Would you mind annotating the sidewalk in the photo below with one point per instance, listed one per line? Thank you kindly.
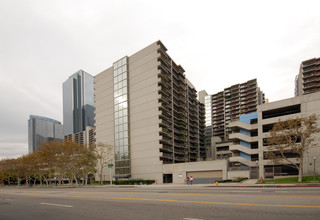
(252, 183)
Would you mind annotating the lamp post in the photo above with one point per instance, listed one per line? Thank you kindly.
(257, 169)
(314, 169)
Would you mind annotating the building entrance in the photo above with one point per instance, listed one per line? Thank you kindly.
(167, 178)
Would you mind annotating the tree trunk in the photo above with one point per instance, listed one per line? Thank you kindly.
(86, 179)
(75, 178)
(300, 169)
(101, 181)
(19, 180)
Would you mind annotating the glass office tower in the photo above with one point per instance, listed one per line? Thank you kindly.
(42, 129)
(78, 102)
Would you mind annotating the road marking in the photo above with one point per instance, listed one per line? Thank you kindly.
(247, 191)
(194, 194)
(172, 200)
(68, 206)
(199, 194)
(281, 191)
(192, 219)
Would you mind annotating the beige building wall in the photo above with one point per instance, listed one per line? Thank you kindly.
(310, 104)
(143, 111)
(104, 121)
(179, 171)
(144, 114)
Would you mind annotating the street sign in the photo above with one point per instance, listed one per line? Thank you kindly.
(110, 165)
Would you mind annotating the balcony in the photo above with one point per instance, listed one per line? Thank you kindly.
(164, 68)
(179, 158)
(179, 152)
(166, 148)
(167, 141)
(242, 160)
(239, 136)
(167, 155)
(240, 124)
(178, 145)
(238, 147)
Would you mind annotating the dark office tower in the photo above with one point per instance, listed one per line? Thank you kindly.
(308, 80)
(41, 129)
(78, 103)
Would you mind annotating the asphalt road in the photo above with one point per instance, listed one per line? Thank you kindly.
(159, 202)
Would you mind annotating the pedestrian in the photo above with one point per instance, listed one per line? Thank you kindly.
(191, 180)
(187, 180)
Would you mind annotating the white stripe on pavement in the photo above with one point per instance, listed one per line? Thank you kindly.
(68, 206)
(192, 219)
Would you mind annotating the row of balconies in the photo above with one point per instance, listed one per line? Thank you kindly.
(311, 77)
(311, 81)
(310, 68)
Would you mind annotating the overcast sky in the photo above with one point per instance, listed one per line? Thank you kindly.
(218, 43)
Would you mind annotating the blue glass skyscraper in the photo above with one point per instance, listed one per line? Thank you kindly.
(78, 102)
(42, 129)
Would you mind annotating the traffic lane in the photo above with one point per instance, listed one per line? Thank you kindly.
(80, 208)
(226, 199)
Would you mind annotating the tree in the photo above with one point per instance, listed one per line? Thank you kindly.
(8, 169)
(104, 154)
(88, 161)
(292, 137)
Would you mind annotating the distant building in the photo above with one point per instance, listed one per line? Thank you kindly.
(85, 138)
(78, 102)
(308, 79)
(227, 106)
(42, 129)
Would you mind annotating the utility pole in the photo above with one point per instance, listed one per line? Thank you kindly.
(314, 169)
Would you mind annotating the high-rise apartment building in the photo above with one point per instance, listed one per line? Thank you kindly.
(85, 138)
(149, 111)
(78, 102)
(227, 105)
(308, 79)
(42, 129)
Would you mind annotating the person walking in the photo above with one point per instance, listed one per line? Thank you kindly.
(187, 180)
(191, 180)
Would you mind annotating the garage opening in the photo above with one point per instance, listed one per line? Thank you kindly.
(167, 178)
(205, 177)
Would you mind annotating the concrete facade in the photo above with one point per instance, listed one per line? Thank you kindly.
(150, 82)
(210, 170)
(308, 79)
(301, 106)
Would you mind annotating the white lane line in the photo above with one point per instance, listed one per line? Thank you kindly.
(192, 219)
(281, 191)
(68, 206)
(248, 191)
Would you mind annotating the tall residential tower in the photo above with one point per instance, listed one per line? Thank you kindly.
(308, 79)
(227, 106)
(149, 111)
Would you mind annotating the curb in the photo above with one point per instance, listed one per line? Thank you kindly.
(271, 186)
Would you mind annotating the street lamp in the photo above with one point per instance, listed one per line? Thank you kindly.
(314, 169)
(257, 169)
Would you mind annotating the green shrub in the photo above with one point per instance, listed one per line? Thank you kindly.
(134, 182)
